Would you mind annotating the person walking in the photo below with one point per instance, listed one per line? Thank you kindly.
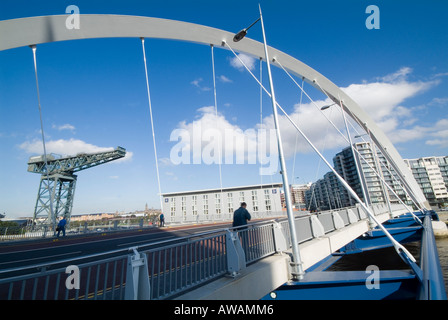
(61, 226)
(240, 218)
(162, 220)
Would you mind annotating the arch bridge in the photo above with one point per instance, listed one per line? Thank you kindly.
(256, 260)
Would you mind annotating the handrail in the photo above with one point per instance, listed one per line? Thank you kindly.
(172, 266)
(126, 250)
(161, 242)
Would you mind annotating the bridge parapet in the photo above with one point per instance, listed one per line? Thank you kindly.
(221, 264)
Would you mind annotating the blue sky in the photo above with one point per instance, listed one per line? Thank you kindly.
(93, 93)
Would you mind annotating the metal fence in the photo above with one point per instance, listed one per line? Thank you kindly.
(165, 269)
(15, 233)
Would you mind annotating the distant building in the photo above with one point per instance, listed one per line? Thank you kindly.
(92, 216)
(326, 194)
(219, 204)
(431, 173)
(298, 195)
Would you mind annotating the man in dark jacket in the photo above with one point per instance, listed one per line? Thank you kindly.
(241, 216)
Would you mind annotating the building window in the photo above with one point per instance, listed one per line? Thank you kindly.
(194, 205)
(173, 207)
(230, 202)
(184, 208)
(218, 203)
(241, 199)
(267, 200)
(205, 201)
(254, 200)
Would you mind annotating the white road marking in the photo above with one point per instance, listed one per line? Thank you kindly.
(55, 255)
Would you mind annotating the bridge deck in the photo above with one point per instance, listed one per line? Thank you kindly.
(221, 264)
(262, 277)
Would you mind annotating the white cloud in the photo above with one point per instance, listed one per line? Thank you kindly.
(224, 79)
(203, 136)
(400, 75)
(208, 121)
(247, 60)
(197, 84)
(66, 126)
(440, 132)
(64, 147)
(383, 99)
(442, 102)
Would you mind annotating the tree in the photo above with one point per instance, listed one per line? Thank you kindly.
(10, 227)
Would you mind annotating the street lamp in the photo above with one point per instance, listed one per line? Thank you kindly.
(296, 264)
(328, 106)
(240, 35)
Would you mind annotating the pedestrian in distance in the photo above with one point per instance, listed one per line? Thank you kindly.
(162, 220)
(61, 226)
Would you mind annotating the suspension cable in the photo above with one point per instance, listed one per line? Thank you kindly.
(216, 115)
(152, 123)
(297, 136)
(348, 139)
(217, 126)
(398, 247)
(395, 243)
(385, 162)
(261, 126)
(53, 218)
(261, 115)
(371, 167)
(357, 121)
(261, 85)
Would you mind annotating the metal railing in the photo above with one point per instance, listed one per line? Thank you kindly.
(17, 233)
(167, 268)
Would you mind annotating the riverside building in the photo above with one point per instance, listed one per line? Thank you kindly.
(219, 204)
(431, 173)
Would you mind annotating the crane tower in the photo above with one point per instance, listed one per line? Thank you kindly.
(58, 181)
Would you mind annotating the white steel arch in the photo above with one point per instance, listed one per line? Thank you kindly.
(38, 30)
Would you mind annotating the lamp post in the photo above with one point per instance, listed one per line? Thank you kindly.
(296, 264)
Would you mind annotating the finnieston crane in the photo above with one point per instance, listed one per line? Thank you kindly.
(58, 182)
